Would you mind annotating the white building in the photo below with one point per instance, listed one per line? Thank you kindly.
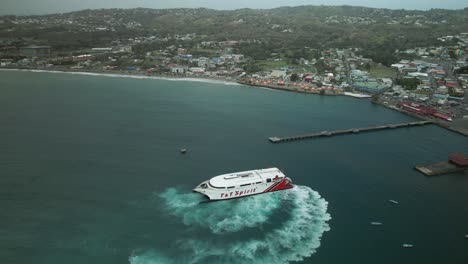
(197, 70)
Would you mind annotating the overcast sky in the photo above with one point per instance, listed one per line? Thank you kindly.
(27, 7)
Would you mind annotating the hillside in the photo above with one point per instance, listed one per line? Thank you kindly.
(290, 28)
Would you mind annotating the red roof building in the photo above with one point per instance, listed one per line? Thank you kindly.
(459, 159)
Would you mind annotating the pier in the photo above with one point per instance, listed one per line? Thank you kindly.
(457, 162)
(347, 131)
(438, 168)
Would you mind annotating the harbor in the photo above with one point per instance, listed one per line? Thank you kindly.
(347, 131)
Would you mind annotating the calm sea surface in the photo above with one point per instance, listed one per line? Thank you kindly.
(90, 172)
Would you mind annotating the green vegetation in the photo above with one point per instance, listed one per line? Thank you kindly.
(381, 71)
(294, 77)
(375, 98)
(462, 70)
(408, 83)
(252, 67)
(271, 65)
(293, 32)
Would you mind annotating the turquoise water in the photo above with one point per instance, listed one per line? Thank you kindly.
(91, 173)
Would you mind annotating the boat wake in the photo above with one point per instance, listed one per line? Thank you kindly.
(246, 230)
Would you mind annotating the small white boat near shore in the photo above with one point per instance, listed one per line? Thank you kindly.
(393, 201)
(376, 223)
(407, 245)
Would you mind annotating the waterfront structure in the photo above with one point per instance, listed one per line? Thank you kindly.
(457, 162)
(347, 131)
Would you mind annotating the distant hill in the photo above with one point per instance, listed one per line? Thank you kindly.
(288, 27)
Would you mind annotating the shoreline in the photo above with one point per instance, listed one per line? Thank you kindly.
(136, 75)
(168, 77)
(294, 90)
(140, 75)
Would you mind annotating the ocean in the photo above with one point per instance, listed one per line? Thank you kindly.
(90, 172)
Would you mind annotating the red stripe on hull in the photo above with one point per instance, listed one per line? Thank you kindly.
(283, 185)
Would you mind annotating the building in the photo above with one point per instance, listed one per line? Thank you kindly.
(202, 62)
(370, 87)
(459, 159)
(177, 69)
(101, 50)
(197, 70)
(278, 74)
(35, 51)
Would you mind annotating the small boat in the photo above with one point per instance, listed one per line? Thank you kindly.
(183, 151)
(466, 236)
(407, 245)
(376, 223)
(393, 201)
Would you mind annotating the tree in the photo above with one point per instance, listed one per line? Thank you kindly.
(408, 83)
(375, 98)
(452, 54)
(462, 70)
(366, 66)
(251, 67)
(294, 77)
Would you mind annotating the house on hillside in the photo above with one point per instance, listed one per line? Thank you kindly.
(177, 69)
(35, 51)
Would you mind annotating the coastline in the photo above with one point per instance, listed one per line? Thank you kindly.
(170, 77)
(126, 74)
(224, 81)
(295, 90)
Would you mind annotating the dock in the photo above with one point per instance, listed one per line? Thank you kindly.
(438, 168)
(347, 131)
(457, 162)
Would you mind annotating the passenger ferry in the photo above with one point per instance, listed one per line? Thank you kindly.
(245, 183)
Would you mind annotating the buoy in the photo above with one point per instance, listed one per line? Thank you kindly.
(183, 151)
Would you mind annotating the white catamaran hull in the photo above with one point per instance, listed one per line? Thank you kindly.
(246, 183)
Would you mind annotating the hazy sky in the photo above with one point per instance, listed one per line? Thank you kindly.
(22, 7)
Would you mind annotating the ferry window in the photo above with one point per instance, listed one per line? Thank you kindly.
(268, 180)
(258, 182)
(215, 186)
(230, 187)
(245, 184)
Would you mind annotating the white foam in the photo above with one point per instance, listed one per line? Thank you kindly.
(149, 257)
(247, 212)
(291, 240)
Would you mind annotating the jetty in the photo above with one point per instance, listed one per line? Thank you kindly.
(457, 162)
(347, 131)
